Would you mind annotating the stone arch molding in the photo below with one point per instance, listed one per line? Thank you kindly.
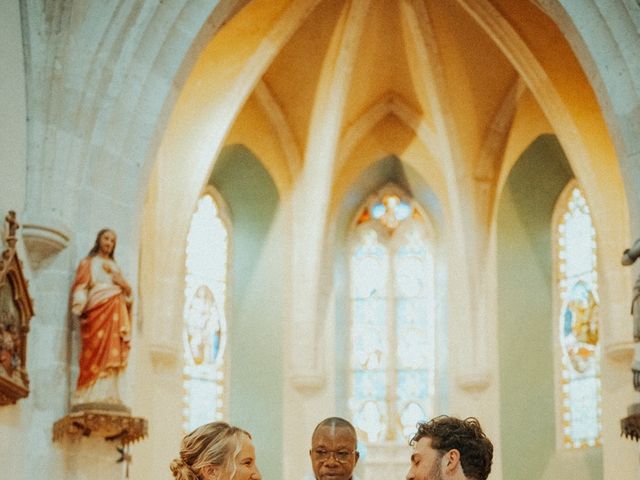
(91, 65)
(604, 37)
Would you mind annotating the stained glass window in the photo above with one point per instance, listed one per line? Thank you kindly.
(392, 358)
(204, 333)
(577, 285)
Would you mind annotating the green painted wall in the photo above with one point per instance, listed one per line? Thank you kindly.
(525, 321)
(257, 304)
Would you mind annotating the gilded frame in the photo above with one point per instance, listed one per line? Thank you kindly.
(16, 310)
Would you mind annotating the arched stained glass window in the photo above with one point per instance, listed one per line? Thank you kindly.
(392, 359)
(578, 323)
(205, 327)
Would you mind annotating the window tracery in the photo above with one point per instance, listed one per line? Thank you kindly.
(392, 359)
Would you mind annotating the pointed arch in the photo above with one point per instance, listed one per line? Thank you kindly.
(390, 104)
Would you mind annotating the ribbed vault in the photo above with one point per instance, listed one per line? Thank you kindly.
(331, 74)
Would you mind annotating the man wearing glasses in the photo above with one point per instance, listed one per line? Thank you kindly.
(333, 449)
(450, 448)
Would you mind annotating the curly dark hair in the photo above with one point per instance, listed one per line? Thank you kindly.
(466, 436)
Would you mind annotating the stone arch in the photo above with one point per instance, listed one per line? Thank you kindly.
(603, 42)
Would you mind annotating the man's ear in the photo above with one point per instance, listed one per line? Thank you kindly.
(357, 458)
(451, 460)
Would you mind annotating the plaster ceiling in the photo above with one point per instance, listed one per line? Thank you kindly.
(467, 72)
(450, 72)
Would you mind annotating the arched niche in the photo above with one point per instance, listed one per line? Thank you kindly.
(525, 318)
(257, 306)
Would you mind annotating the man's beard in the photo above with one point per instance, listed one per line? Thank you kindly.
(434, 473)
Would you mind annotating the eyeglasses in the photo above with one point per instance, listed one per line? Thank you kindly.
(342, 456)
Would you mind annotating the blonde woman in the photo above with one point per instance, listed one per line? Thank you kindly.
(216, 451)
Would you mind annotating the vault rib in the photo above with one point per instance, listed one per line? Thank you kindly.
(278, 119)
(313, 190)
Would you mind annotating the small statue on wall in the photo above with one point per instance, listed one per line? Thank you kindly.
(629, 257)
(101, 299)
(631, 424)
(16, 310)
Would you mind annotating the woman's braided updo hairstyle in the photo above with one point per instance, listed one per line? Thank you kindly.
(212, 444)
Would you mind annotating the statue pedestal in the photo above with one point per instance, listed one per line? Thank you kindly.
(114, 423)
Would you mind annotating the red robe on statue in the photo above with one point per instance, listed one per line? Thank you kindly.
(105, 324)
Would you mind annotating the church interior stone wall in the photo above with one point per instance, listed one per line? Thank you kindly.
(294, 112)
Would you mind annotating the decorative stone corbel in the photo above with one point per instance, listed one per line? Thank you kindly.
(620, 352)
(474, 383)
(43, 243)
(308, 382)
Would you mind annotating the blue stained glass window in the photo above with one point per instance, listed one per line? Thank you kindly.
(410, 414)
(412, 384)
(414, 338)
(370, 385)
(371, 351)
(403, 210)
(392, 319)
(378, 210)
(391, 209)
(370, 311)
(371, 416)
(370, 266)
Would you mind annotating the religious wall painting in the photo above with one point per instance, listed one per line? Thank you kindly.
(16, 310)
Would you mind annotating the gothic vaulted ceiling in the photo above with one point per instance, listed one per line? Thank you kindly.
(436, 82)
(320, 90)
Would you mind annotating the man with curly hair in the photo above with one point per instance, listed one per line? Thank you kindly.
(450, 448)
